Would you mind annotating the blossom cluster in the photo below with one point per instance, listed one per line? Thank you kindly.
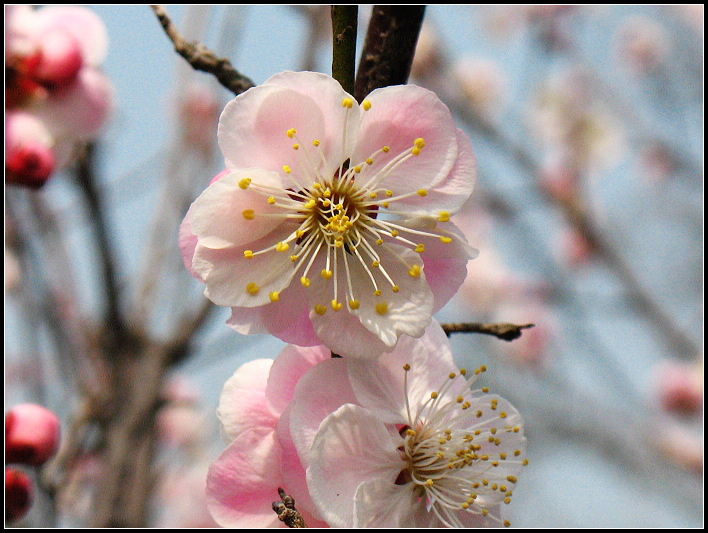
(330, 228)
(55, 95)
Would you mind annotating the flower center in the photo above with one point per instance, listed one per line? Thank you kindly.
(460, 450)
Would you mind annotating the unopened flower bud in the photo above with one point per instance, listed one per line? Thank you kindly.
(31, 434)
(18, 494)
(59, 60)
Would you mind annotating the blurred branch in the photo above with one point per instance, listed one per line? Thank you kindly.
(344, 26)
(285, 509)
(201, 58)
(501, 330)
(389, 47)
(87, 183)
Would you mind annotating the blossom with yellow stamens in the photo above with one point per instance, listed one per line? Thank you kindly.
(342, 211)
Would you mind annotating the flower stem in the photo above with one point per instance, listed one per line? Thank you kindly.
(344, 25)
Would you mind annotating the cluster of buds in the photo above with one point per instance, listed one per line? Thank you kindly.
(55, 96)
(31, 439)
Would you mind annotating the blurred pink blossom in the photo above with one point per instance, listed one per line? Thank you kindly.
(18, 494)
(52, 55)
(679, 386)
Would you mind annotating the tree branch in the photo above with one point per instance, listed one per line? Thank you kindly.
(344, 26)
(501, 330)
(389, 47)
(201, 58)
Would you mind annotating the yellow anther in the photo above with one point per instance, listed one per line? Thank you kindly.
(248, 254)
(445, 240)
(327, 193)
(394, 233)
(406, 367)
(248, 214)
(507, 500)
(372, 195)
(299, 233)
(244, 183)
(443, 216)
(366, 105)
(315, 143)
(459, 399)
(271, 200)
(463, 371)
(485, 512)
(326, 274)
(357, 169)
(395, 288)
(347, 102)
(317, 185)
(511, 479)
(422, 192)
(326, 203)
(415, 150)
(339, 244)
(414, 271)
(381, 308)
(305, 282)
(419, 142)
(293, 258)
(379, 241)
(420, 248)
(451, 375)
(286, 169)
(291, 132)
(389, 193)
(354, 304)
(375, 264)
(429, 482)
(465, 505)
(525, 462)
(502, 456)
(310, 204)
(485, 389)
(296, 146)
(282, 246)
(433, 395)
(377, 292)
(320, 309)
(369, 161)
(507, 523)
(252, 289)
(502, 415)
(516, 454)
(273, 296)
(384, 204)
(385, 149)
(336, 306)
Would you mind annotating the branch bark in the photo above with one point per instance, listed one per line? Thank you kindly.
(201, 58)
(501, 330)
(344, 26)
(389, 47)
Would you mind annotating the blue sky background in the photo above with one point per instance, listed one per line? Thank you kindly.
(591, 416)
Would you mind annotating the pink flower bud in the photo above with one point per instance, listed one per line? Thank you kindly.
(30, 165)
(18, 494)
(60, 59)
(31, 434)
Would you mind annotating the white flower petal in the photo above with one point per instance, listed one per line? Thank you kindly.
(381, 503)
(351, 446)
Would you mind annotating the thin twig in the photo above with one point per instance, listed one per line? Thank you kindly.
(501, 330)
(202, 58)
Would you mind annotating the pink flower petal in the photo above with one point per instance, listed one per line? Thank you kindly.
(398, 116)
(243, 482)
(242, 404)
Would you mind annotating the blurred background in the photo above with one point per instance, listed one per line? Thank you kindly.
(587, 123)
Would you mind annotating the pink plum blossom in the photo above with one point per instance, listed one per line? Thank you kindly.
(331, 224)
(400, 441)
(18, 494)
(243, 482)
(52, 59)
(418, 448)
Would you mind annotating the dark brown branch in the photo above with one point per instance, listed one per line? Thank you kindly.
(501, 330)
(201, 58)
(389, 47)
(285, 509)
